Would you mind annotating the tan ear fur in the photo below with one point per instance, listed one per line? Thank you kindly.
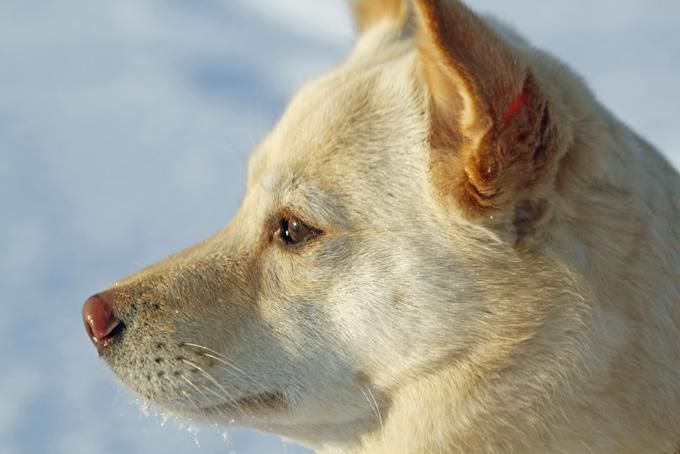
(370, 12)
(493, 138)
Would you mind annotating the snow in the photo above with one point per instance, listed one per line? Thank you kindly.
(124, 131)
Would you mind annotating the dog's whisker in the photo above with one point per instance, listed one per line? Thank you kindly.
(189, 399)
(374, 406)
(207, 375)
(193, 385)
(226, 395)
(210, 353)
(175, 387)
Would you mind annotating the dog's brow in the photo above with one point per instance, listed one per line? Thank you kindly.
(256, 165)
(268, 181)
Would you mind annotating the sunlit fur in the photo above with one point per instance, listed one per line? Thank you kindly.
(416, 322)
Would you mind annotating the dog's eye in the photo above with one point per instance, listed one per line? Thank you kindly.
(293, 231)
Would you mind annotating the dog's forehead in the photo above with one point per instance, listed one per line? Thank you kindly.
(342, 124)
(327, 115)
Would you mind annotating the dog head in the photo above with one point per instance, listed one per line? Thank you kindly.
(376, 239)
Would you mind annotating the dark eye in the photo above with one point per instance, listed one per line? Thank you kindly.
(293, 231)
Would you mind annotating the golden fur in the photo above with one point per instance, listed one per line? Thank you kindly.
(493, 264)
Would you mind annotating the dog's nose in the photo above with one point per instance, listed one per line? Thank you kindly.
(101, 322)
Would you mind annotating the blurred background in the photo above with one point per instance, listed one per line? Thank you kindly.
(124, 131)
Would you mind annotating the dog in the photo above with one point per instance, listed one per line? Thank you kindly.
(446, 245)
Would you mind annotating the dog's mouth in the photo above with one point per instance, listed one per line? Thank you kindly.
(182, 382)
(275, 400)
(246, 409)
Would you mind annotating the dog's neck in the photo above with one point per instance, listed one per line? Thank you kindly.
(451, 419)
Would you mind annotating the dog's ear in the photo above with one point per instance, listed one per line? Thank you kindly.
(370, 12)
(494, 141)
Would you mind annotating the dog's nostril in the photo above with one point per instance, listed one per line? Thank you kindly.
(101, 323)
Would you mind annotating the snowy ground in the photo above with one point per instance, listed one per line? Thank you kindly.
(124, 130)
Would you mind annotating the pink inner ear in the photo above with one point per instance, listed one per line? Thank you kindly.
(515, 107)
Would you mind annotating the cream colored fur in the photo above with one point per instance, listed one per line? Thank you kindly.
(409, 325)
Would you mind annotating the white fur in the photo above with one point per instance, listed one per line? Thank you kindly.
(406, 327)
